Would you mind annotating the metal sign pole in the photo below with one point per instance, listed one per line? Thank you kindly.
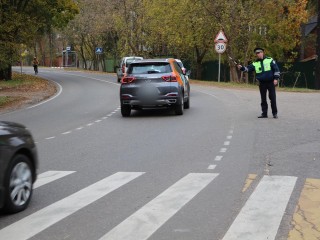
(219, 67)
(220, 47)
(67, 60)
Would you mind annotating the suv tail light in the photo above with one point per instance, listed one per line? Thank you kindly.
(169, 78)
(128, 79)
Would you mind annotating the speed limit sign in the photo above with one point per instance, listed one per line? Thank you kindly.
(220, 47)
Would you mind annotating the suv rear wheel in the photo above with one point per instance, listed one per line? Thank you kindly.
(125, 110)
(187, 104)
(179, 107)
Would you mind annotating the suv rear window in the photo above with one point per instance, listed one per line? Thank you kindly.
(130, 60)
(149, 68)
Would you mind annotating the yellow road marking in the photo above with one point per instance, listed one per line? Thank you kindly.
(249, 180)
(306, 219)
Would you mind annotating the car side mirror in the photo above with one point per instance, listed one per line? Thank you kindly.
(188, 72)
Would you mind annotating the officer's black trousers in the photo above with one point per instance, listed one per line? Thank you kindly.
(264, 87)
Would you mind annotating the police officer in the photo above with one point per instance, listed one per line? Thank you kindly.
(267, 73)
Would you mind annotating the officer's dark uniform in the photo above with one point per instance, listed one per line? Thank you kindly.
(266, 71)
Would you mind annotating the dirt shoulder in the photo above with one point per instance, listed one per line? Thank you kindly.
(24, 91)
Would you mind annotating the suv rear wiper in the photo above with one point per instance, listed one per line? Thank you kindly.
(153, 71)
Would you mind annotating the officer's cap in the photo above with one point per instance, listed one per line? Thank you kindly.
(258, 49)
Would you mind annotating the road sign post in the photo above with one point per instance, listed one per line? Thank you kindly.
(220, 47)
(68, 48)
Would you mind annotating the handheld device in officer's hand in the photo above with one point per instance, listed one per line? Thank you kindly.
(234, 61)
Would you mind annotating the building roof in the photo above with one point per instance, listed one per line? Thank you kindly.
(311, 58)
(310, 25)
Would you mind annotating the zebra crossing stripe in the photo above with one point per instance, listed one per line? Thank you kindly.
(44, 218)
(143, 223)
(50, 176)
(260, 217)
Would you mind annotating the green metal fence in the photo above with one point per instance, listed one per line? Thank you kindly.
(299, 74)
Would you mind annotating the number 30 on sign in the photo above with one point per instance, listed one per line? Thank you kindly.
(220, 47)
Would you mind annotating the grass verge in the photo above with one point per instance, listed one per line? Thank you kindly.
(21, 81)
(4, 100)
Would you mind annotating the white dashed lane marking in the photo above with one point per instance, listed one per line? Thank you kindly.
(223, 150)
(48, 138)
(87, 125)
(211, 167)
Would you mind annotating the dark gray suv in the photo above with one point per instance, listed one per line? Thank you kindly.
(154, 83)
(18, 166)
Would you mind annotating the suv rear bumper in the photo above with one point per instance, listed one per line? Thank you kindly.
(150, 103)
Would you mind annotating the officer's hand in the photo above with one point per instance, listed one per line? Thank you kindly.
(239, 66)
(275, 82)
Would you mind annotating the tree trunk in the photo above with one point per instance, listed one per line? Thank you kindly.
(199, 70)
(50, 47)
(199, 58)
(6, 74)
(317, 83)
(234, 77)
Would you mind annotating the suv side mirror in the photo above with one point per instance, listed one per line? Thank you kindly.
(188, 72)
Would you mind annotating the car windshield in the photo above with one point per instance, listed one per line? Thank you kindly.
(149, 68)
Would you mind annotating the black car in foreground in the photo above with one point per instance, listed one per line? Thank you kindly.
(154, 83)
(18, 166)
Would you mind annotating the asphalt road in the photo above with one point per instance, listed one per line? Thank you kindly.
(217, 172)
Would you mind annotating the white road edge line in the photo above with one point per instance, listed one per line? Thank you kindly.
(60, 91)
(100, 80)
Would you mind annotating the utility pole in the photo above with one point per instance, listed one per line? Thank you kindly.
(317, 83)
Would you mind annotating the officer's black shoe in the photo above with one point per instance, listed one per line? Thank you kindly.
(263, 116)
(275, 116)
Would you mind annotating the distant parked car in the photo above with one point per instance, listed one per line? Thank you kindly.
(184, 70)
(18, 166)
(154, 83)
(124, 65)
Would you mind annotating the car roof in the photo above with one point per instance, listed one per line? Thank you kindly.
(132, 57)
(154, 60)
